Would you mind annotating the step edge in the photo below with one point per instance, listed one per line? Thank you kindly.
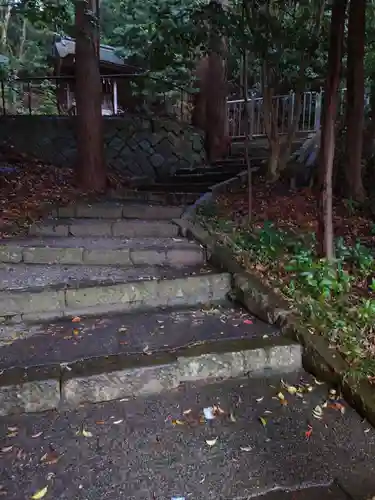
(67, 392)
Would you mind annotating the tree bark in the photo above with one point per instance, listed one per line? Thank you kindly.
(4, 26)
(91, 169)
(215, 91)
(355, 100)
(327, 145)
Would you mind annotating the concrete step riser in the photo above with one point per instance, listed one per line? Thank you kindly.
(117, 211)
(173, 257)
(121, 228)
(205, 178)
(171, 188)
(65, 393)
(53, 304)
(180, 199)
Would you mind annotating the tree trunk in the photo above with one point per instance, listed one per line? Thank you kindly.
(355, 100)
(91, 169)
(273, 160)
(23, 40)
(327, 145)
(215, 90)
(4, 27)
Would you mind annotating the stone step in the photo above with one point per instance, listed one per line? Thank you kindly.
(117, 210)
(146, 447)
(173, 252)
(34, 292)
(216, 169)
(206, 178)
(238, 160)
(129, 354)
(132, 228)
(176, 198)
(162, 187)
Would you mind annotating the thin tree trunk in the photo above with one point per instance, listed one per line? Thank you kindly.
(23, 40)
(327, 146)
(91, 170)
(355, 100)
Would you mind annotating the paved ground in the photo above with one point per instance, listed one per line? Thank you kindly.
(139, 449)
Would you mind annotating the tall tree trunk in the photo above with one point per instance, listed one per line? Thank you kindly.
(327, 145)
(91, 170)
(22, 42)
(6, 13)
(355, 100)
(216, 92)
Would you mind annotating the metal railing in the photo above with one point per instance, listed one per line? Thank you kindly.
(284, 106)
(121, 93)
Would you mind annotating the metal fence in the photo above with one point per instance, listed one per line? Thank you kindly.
(284, 106)
(284, 109)
(121, 93)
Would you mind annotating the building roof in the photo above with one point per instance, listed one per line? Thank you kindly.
(65, 46)
(4, 59)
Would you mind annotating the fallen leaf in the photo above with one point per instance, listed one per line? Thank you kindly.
(318, 382)
(232, 418)
(211, 442)
(50, 458)
(76, 319)
(176, 421)
(40, 494)
(318, 412)
(75, 331)
(38, 434)
(208, 413)
(84, 433)
(118, 422)
(332, 394)
(217, 410)
(263, 421)
(7, 449)
(337, 406)
(308, 432)
(11, 434)
(290, 388)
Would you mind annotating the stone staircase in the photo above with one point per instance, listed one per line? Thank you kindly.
(193, 183)
(106, 300)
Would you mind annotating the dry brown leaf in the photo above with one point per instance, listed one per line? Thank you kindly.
(50, 458)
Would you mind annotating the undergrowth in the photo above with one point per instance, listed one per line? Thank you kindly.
(335, 299)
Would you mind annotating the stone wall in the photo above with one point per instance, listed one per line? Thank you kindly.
(134, 144)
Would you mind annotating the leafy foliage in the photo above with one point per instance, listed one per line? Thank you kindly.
(335, 299)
